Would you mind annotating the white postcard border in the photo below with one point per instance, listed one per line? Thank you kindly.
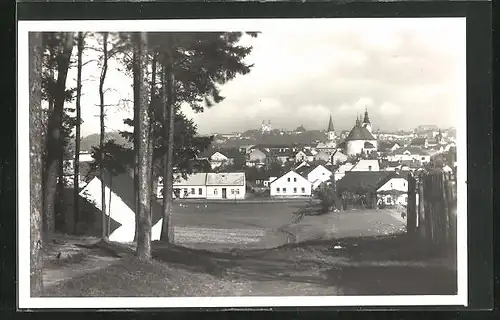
(23, 229)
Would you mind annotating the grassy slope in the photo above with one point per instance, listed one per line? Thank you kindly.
(366, 265)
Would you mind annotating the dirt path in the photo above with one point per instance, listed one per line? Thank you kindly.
(89, 264)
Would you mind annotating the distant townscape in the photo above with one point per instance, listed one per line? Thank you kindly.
(230, 169)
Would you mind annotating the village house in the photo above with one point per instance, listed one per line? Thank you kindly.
(323, 155)
(290, 184)
(193, 187)
(318, 175)
(226, 185)
(366, 165)
(358, 189)
(302, 164)
(341, 170)
(304, 155)
(120, 207)
(338, 157)
(393, 190)
(256, 157)
(218, 159)
(410, 153)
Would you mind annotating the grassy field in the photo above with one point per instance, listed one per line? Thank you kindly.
(249, 249)
(228, 225)
(231, 215)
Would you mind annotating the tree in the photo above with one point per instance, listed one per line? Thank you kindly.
(144, 181)
(195, 64)
(168, 84)
(54, 148)
(102, 77)
(36, 167)
(328, 196)
(76, 173)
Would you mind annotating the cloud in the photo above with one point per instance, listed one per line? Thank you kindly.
(394, 67)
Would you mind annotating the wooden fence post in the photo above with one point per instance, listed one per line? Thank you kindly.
(422, 223)
(411, 215)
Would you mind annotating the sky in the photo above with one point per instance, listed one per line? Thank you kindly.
(406, 72)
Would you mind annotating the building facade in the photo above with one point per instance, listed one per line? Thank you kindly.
(291, 184)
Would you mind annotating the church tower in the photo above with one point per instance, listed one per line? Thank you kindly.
(330, 132)
(366, 121)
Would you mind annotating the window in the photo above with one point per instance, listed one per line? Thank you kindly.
(423, 158)
(369, 168)
(294, 190)
(232, 191)
(391, 184)
(185, 190)
(192, 190)
(288, 179)
(278, 190)
(303, 190)
(294, 179)
(200, 191)
(237, 191)
(284, 189)
(216, 191)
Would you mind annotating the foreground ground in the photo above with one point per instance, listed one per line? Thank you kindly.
(349, 253)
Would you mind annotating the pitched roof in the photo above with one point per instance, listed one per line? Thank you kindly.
(195, 179)
(304, 171)
(390, 176)
(219, 179)
(361, 179)
(412, 150)
(359, 133)
(123, 186)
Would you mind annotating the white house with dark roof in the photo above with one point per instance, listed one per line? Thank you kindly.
(393, 190)
(409, 154)
(193, 187)
(304, 155)
(120, 207)
(226, 185)
(338, 157)
(340, 172)
(366, 165)
(291, 185)
(360, 139)
(318, 175)
(323, 155)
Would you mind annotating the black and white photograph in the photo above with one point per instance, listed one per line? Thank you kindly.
(242, 163)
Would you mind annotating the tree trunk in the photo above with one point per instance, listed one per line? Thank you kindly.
(167, 232)
(60, 209)
(103, 132)
(36, 167)
(76, 166)
(144, 123)
(108, 229)
(137, 97)
(54, 145)
(151, 133)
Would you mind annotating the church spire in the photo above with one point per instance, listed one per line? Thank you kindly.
(330, 125)
(366, 119)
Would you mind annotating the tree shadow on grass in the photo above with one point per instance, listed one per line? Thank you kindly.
(394, 280)
(362, 265)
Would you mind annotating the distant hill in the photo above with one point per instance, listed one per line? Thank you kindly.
(86, 143)
(307, 137)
